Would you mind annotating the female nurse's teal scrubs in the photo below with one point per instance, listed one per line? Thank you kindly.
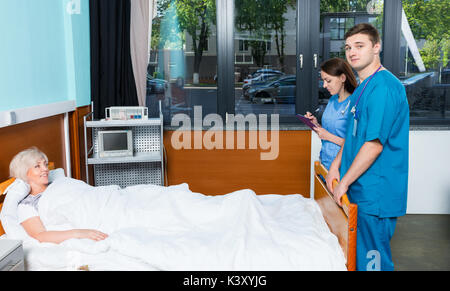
(335, 121)
(383, 114)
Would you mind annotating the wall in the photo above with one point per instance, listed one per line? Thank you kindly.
(78, 29)
(33, 69)
(45, 53)
(428, 181)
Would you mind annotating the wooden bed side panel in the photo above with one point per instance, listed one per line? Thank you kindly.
(334, 216)
(352, 234)
(341, 221)
(221, 171)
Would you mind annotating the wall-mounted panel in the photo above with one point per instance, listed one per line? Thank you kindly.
(220, 171)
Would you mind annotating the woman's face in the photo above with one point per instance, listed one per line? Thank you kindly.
(38, 173)
(333, 84)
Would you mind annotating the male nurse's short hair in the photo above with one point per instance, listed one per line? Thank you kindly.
(23, 161)
(367, 29)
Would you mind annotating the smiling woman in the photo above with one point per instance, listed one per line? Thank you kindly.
(31, 166)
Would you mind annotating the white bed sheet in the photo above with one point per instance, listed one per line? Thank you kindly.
(171, 228)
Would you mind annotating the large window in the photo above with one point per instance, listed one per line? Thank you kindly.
(182, 69)
(265, 33)
(263, 56)
(424, 63)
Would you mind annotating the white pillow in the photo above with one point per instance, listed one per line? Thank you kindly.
(56, 174)
(16, 192)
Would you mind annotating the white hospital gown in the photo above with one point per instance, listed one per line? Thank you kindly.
(28, 207)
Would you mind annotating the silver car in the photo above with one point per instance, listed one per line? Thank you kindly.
(281, 90)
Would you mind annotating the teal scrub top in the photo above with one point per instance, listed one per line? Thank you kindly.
(383, 115)
(334, 120)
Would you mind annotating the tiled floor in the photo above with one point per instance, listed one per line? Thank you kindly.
(421, 242)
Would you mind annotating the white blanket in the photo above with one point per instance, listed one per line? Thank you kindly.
(171, 228)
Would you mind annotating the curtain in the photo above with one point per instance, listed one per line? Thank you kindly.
(141, 15)
(112, 78)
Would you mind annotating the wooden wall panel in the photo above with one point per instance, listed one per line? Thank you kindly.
(47, 134)
(215, 171)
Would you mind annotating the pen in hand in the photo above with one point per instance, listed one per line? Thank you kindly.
(311, 117)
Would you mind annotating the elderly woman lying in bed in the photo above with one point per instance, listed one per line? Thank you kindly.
(163, 228)
(31, 166)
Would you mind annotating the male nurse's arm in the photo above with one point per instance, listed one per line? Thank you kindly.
(366, 156)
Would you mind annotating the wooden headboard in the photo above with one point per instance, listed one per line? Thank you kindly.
(341, 221)
(47, 134)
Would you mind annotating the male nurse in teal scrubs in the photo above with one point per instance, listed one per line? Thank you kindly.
(372, 166)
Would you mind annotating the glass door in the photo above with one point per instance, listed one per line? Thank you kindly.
(273, 57)
(265, 36)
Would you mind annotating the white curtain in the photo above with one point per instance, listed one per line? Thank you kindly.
(142, 13)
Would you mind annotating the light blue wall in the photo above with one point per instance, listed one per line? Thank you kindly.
(44, 53)
(81, 53)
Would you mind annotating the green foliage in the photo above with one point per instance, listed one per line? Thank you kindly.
(430, 20)
(176, 17)
(434, 51)
(343, 5)
(259, 19)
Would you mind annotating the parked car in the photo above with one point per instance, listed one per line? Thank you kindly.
(282, 90)
(261, 75)
(256, 84)
(156, 86)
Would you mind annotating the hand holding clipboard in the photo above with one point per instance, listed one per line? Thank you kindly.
(309, 121)
(306, 121)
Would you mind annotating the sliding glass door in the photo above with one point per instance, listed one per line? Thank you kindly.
(272, 59)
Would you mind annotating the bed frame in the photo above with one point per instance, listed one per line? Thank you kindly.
(341, 221)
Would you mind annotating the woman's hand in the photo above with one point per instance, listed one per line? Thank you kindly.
(312, 118)
(90, 234)
(35, 228)
(322, 133)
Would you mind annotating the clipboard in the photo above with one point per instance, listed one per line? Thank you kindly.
(306, 121)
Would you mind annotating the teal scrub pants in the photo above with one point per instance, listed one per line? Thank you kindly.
(373, 251)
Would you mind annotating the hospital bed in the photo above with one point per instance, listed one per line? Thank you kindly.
(341, 221)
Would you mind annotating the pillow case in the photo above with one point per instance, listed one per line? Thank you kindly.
(16, 192)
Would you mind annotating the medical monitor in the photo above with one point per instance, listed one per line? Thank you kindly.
(115, 143)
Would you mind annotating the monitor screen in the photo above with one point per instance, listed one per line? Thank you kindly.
(115, 141)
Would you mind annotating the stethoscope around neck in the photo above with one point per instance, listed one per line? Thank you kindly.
(346, 107)
(354, 110)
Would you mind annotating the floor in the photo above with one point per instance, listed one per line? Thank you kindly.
(421, 242)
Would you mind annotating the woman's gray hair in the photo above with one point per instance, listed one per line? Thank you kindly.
(23, 161)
